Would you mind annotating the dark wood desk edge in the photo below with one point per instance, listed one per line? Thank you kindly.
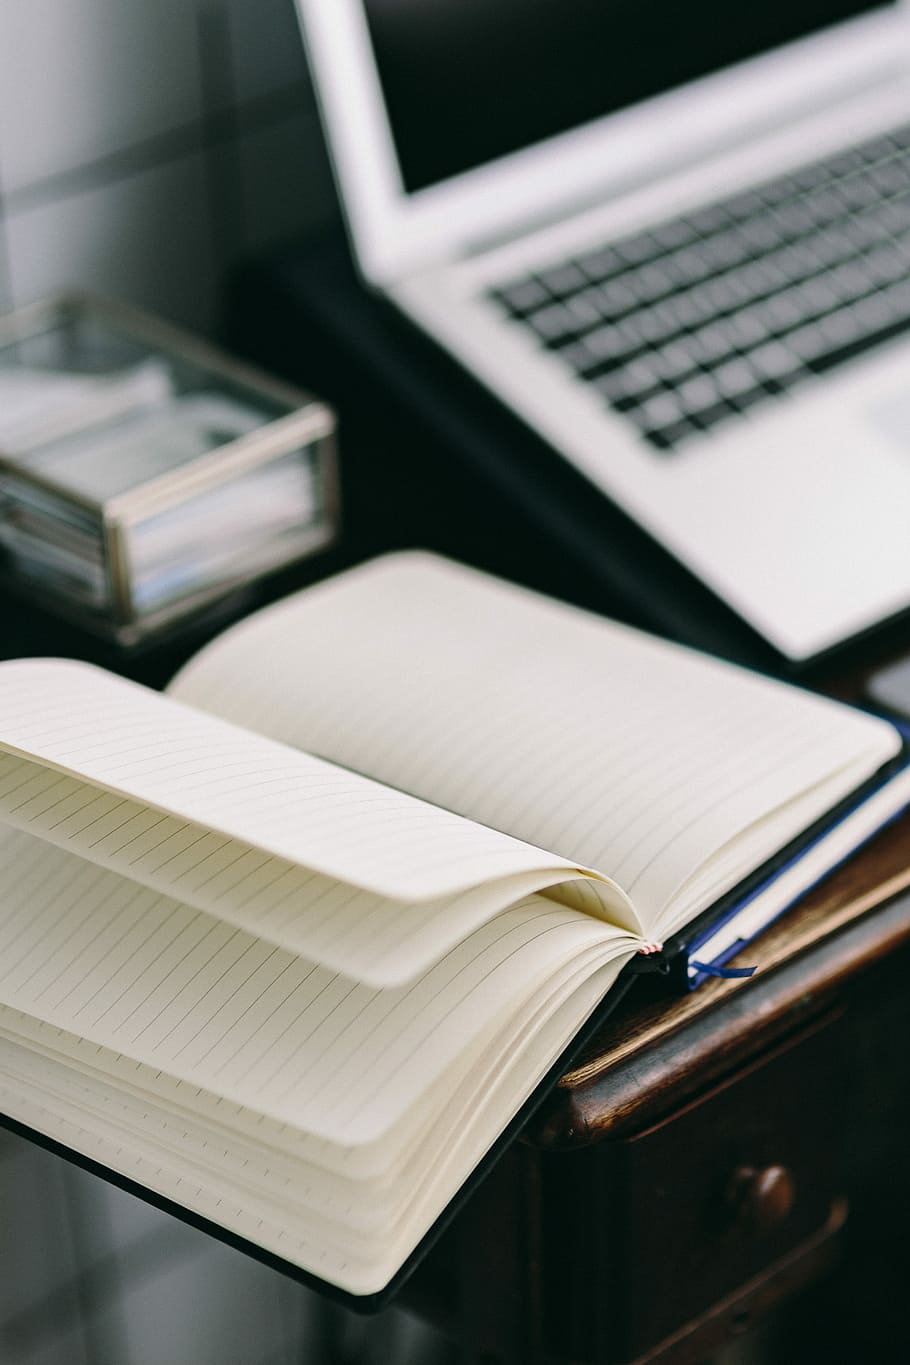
(644, 1083)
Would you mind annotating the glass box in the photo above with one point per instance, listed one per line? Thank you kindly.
(143, 474)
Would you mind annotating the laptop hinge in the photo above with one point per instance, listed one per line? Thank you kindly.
(675, 161)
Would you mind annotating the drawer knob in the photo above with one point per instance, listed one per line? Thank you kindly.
(761, 1197)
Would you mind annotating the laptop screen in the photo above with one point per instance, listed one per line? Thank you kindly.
(466, 81)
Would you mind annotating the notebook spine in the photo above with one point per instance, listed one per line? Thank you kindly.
(651, 959)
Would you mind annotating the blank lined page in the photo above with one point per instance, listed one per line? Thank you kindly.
(346, 1228)
(171, 987)
(616, 750)
(131, 741)
(383, 942)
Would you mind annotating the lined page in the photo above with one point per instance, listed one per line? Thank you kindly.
(620, 751)
(272, 1207)
(380, 941)
(156, 981)
(346, 1195)
(132, 741)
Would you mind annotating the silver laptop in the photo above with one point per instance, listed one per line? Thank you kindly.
(675, 238)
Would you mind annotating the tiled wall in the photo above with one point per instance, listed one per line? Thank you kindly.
(146, 144)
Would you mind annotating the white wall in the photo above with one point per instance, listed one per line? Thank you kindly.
(147, 144)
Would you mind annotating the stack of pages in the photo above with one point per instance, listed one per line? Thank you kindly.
(287, 947)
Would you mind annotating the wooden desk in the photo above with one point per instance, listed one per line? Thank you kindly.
(697, 1166)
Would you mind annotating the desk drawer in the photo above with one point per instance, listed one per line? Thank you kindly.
(644, 1234)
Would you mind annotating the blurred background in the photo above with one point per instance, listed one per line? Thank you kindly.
(139, 144)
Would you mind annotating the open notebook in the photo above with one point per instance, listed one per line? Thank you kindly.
(302, 1002)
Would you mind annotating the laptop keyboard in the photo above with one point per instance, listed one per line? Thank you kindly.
(694, 321)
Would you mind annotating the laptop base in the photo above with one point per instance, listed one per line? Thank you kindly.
(430, 458)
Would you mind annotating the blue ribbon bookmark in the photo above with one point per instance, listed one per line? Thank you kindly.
(714, 969)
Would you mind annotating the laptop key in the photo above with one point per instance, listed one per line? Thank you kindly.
(744, 329)
(888, 263)
(734, 378)
(638, 249)
(552, 323)
(708, 314)
(691, 309)
(663, 410)
(889, 178)
(841, 328)
(892, 218)
(523, 296)
(709, 345)
(711, 218)
(587, 361)
(676, 233)
(750, 397)
(671, 437)
(669, 362)
(609, 344)
(725, 250)
(618, 390)
(807, 343)
(774, 362)
(820, 294)
(698, 394)
(783, 310)
(793, 217)
(601, 265)
(689, 265)
(745, 205)
(585, 308)
(876, 311)
(618, 297)
(641, 374)
(857, 193)
(654, 325)
(726, 293)
(563, 280)
(651, 281)
(708, 418)
(826, 206)
(579, 359)
(762, 234)
(843, 164)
